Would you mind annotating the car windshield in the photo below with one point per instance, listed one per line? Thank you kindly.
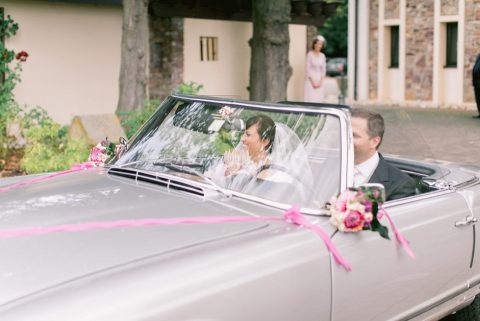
(278, 155)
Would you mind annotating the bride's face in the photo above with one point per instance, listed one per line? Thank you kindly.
(252, 141)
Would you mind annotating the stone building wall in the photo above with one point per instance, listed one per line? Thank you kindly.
(392, 9)
(419, 50)
(166, 55)
(448, 7)
(472, 45)
(373, 50)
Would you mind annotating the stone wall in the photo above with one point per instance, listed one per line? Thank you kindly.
(448, 7)
(166, 55)
(392, 9)
(472, 45)
(419, 50)
(373, 50)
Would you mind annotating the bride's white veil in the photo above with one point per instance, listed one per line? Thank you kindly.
(288, 176)
(289, 153)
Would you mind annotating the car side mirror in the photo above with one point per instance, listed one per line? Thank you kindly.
(236, 124)
(121, 147)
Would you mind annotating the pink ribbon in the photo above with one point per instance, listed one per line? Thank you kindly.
(400, 238)
(292, 216)
(74, 168)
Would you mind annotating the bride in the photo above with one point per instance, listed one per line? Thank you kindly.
(269, 162)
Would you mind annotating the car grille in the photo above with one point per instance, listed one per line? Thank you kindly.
(157, 180)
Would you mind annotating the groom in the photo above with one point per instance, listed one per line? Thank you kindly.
(370, 167)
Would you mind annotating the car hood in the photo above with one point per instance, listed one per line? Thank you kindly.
(33, 263)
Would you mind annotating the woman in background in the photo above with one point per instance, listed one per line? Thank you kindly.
(315, 71)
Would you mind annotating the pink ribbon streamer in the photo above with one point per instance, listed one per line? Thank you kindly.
(400, 238)
(74, 168)
(292, 215)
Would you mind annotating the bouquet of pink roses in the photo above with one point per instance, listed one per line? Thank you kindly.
(358, 209)
(102, 152)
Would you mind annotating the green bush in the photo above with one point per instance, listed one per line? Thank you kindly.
(48, 147)
(192, 88)
(9, 72)
(132, 120)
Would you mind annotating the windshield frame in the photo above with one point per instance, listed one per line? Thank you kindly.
(339, 111)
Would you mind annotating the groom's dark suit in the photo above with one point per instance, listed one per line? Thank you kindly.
(397, 184)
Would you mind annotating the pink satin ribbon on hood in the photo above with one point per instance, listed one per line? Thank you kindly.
(292, 216)
(73, 169)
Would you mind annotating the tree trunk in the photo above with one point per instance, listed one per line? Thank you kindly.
(269, 67)
(133, 67)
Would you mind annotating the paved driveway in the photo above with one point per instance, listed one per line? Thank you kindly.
(448, 135)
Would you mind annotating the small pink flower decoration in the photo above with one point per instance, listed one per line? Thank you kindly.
(102, 152)
(358, 209)
(226, 111)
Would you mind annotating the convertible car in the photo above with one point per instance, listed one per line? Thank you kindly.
(181, 226)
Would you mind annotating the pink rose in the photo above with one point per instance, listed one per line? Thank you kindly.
(97, 155)
(342, 201)
(354, 220)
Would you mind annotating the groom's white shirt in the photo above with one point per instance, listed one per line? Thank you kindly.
(363, 172)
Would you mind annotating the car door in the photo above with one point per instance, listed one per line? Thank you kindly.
(385, 283)
(472, 196)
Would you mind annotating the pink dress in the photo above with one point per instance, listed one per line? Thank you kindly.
(316, 69)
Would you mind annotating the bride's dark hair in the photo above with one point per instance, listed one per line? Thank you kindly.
(265, 128)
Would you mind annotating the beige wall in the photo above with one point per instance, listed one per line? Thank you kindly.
(74, 61)
(229, 75)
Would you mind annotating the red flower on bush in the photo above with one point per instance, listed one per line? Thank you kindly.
(22, 56)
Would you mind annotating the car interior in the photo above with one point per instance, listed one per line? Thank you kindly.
(423, 175)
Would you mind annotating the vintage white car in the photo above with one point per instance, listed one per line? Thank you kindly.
(183, 226)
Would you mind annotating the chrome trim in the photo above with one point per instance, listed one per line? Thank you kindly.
(470, 219)
(416, 198)
(474, 181)
(448, 305)
(166, 180)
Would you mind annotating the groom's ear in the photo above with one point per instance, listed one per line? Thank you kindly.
(375, 141)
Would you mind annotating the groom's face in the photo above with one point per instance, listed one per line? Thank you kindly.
(363, 145)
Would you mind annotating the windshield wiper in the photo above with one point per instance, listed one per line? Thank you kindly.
(188, 170)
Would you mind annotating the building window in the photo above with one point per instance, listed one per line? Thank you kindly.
(451, 44)
(394, 46)
(208, 48)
